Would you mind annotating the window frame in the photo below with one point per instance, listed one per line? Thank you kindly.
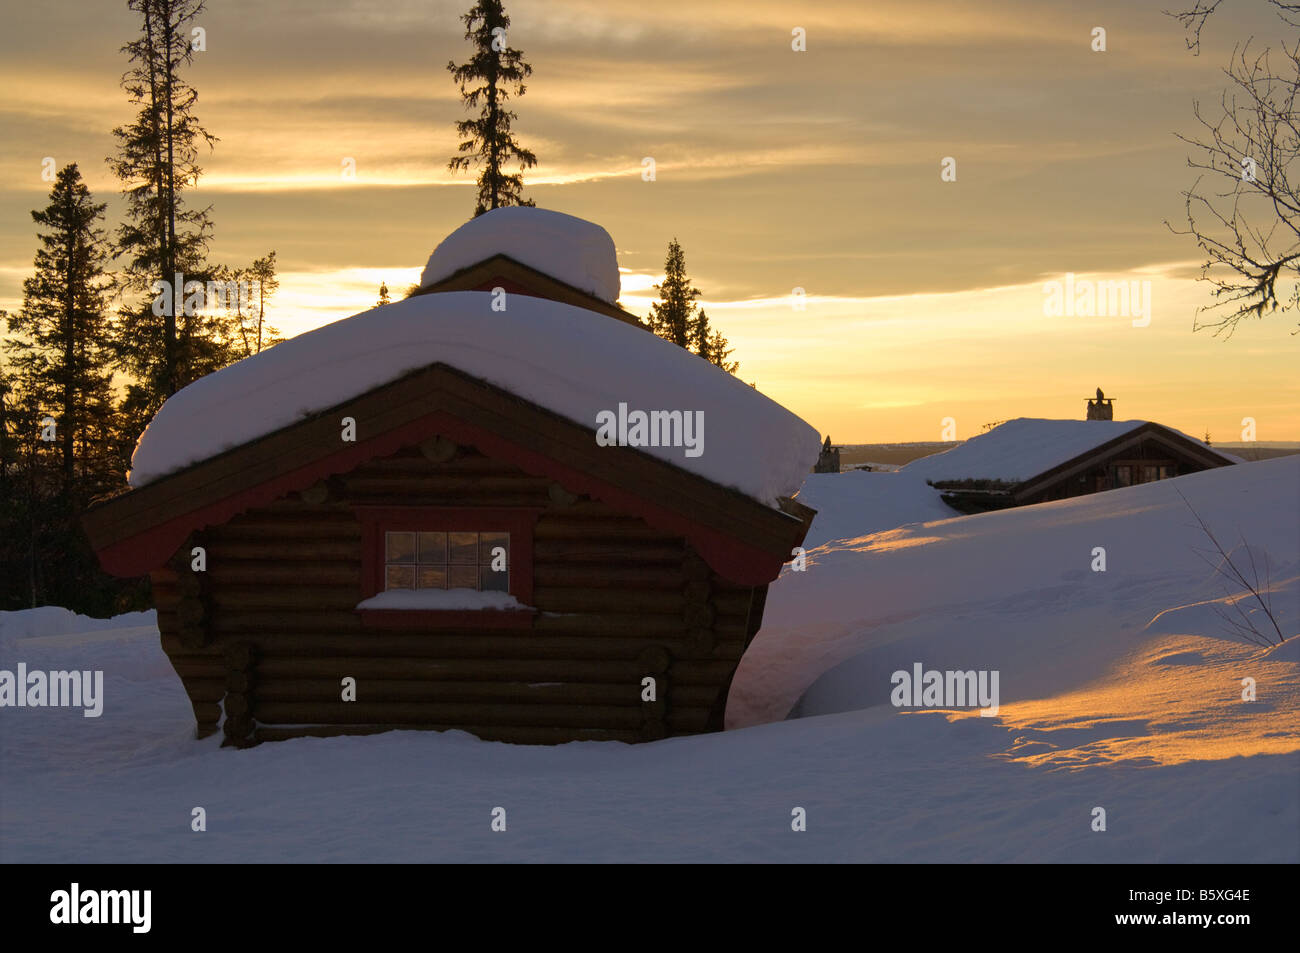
(377, 521)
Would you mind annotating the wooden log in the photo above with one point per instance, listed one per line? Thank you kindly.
(304, 521)
(607, 577)
(205, 689)
(698, 616)
(549, 599)
(364, 668)
(259, 622)
(237, 704)
(193, 637)
(236, 574)
(701, 672)
(190, 612)
(240, 726)
(508, 734)
(189, 584)
(610, 624)
(687, 719)
(239, 681)
(320, 598)
(601, 551)
(460, 498)
(654, 660)
(282, 550)
(449, 713)
(694, 696)
(476, 644)
(553, 526)
(241, 655)
(440, 483)
(206, 712)
(627, 693)
(199, 666)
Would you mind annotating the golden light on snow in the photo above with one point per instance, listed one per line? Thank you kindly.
(1177, 699)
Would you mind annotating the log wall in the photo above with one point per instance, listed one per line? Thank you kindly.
(269, 630)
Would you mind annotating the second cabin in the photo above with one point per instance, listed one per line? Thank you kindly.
(404, 519)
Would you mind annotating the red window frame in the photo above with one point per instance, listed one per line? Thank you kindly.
(517, 521)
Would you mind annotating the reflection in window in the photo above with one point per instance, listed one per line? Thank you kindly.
(447, 560)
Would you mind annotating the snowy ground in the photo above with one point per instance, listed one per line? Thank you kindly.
(1119, 690)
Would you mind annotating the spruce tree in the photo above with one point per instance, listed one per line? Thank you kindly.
(673, 316)
(711, 345)
(59, 440)
(384, 297)
(59, 352)
(486, 82)
(157, 161)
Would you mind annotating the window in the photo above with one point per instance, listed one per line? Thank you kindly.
(1123, 476)
(447, 560)
(423, 548)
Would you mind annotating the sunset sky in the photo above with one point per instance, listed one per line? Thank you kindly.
(775, 169)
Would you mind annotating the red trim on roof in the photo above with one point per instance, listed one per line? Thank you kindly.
(732, 559)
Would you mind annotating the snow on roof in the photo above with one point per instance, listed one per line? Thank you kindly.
(573, 250)
(568, 360)
(1023, 448)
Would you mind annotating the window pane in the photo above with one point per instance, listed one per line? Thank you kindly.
(489, 542)
(401, 548)
(432, 577)
(400, 577)
(463, 577)
(495, 581)
(1123, 476)
(1149, 474)
(433, 548)
(464, 548)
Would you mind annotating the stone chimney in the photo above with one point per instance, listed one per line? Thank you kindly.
(1101, 409)
(829, 459)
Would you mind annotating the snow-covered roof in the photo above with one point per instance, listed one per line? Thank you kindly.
(573, 250)
(1023, 448)
(573, 362)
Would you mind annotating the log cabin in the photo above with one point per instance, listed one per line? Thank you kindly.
(1027, 460)
(403, 520)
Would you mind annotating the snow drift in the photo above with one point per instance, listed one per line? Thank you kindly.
(577, 252)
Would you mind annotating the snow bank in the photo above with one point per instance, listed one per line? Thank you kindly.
(1015, 591)
(577, 252)
(573, 362)
(858, 502)
(1025, 447)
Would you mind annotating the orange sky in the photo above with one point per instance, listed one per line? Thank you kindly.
(775, 170)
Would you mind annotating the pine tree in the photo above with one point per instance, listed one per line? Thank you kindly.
(487, 140)
(673, 316)
(711, 345)
(157, 161)
(263, 272)
(59, 354)
(59, 440)
(383, 295)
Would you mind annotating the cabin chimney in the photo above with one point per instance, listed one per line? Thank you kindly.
(1101, 409)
